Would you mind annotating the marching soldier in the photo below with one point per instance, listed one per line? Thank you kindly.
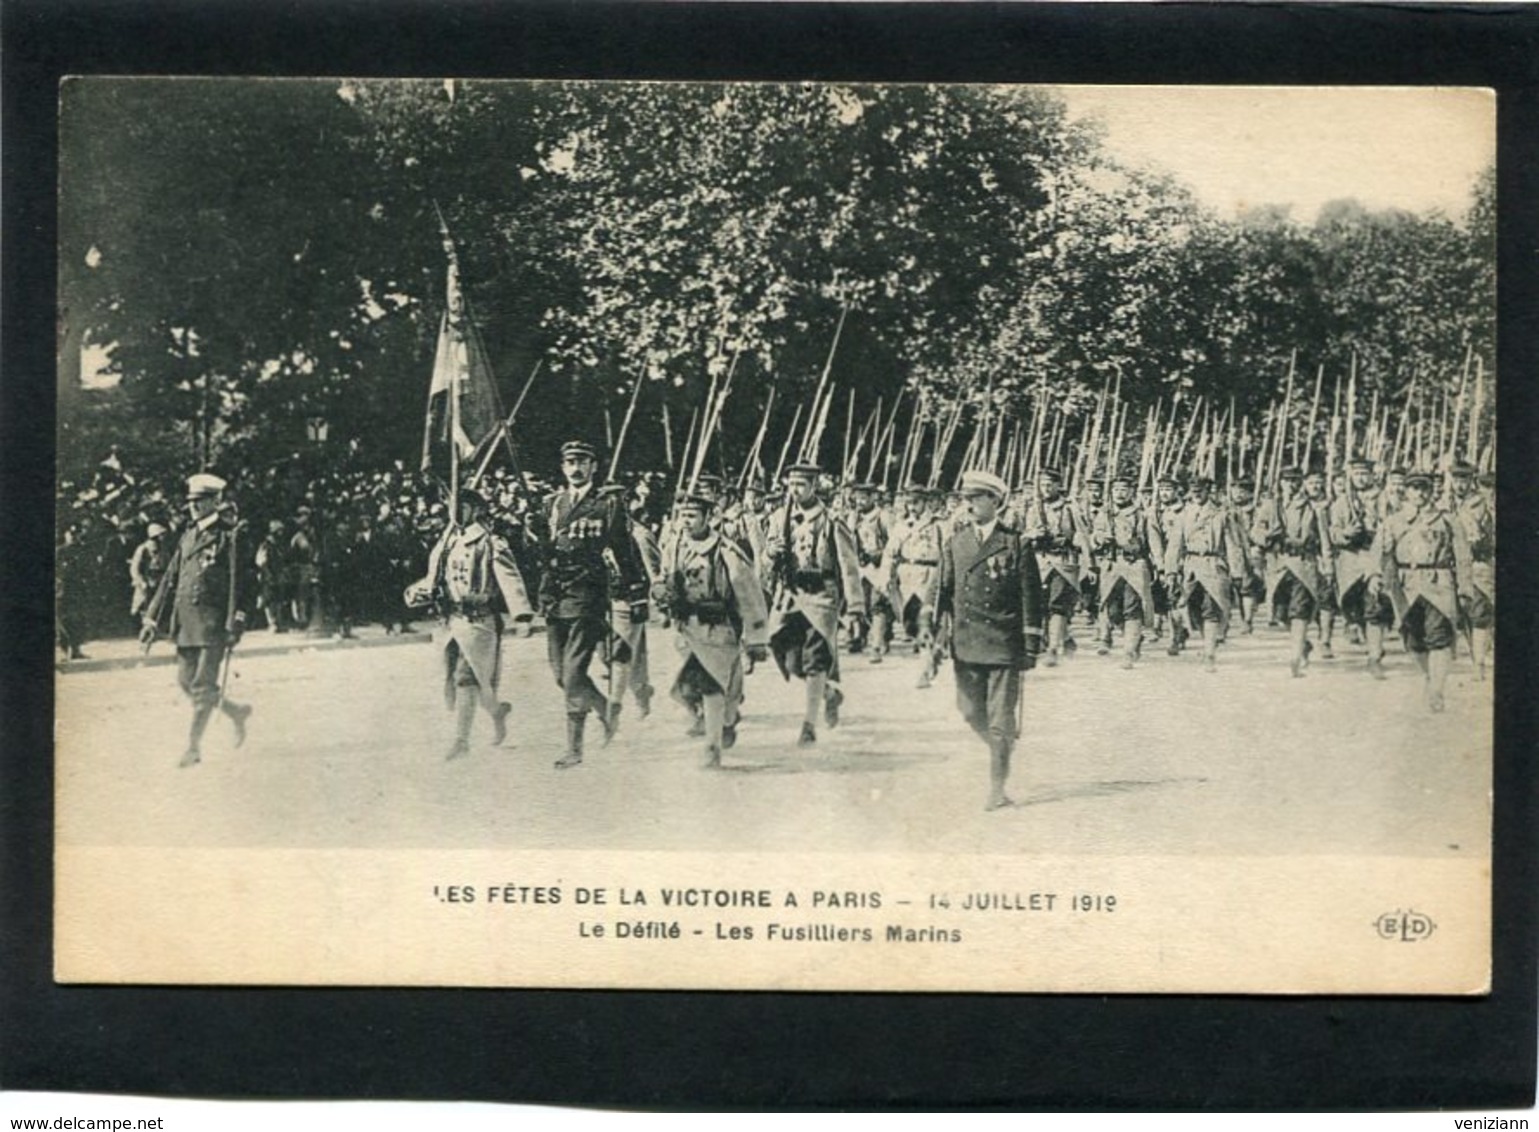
(1427, 559)
(1205, 554)
(1392, 497)
(872, 529)
(709, 588)
(817, 575)
(1091, 586)
(1315, 490)
(199, 600)
(1122, 538)
(1354, 523)
(474, 581)
(913, 557)
(1249, 589)
(1476, 515)
(1058, 534)
(990, 590)
(1295, 586)
(630, 666)
(587, 535)
(1164, 517)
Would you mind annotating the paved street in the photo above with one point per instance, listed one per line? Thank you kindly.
(346, 750)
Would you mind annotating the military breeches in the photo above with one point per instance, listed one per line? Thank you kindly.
(1292, 601)
(987, 696)
(197, 671)
(1062, 597)
(1201, 606)
(801, 649)
(1425, 629)
(1123, 603)
(876, 600)
(570, 644)
(694, 683)
(1358, 609)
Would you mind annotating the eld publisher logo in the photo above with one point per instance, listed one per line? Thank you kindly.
(1408, 926)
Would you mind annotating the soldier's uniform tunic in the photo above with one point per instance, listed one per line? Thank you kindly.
(711, 591)
(1425, 557)
(821, 578)
(1354, 522)
(1121, 534)
(1055, 529)
(1207, 553)
(472, 573)
(913, 557)
(872, 532)
(1478, 522)
(1296, 585)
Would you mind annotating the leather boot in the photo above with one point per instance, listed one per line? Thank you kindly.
(573, 756)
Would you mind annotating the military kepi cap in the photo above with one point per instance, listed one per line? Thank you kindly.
(694, 499)
(578, 449)
(803, 469)
(979, 480)
(203, 484)
(1418, 479)
(1463, 469)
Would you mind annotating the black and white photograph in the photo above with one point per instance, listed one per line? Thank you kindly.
(775, 536)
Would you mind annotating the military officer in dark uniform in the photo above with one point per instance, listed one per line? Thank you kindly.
(199, 599)
(990, 589)
(588, 535)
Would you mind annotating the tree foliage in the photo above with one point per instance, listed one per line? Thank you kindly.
(258, 254)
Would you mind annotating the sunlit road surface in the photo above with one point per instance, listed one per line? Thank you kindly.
(347, 746)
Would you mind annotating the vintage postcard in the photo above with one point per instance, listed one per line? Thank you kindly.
(807, 536)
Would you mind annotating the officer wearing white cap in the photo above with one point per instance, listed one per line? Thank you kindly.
(990, 589)
(199, 600)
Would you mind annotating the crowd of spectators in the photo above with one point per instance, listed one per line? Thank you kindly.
(327, 551)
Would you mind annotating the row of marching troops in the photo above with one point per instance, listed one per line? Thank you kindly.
(990, 577)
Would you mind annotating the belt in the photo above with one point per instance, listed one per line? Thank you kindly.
(1426, 566)
(920, 562)
(1202, 554)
